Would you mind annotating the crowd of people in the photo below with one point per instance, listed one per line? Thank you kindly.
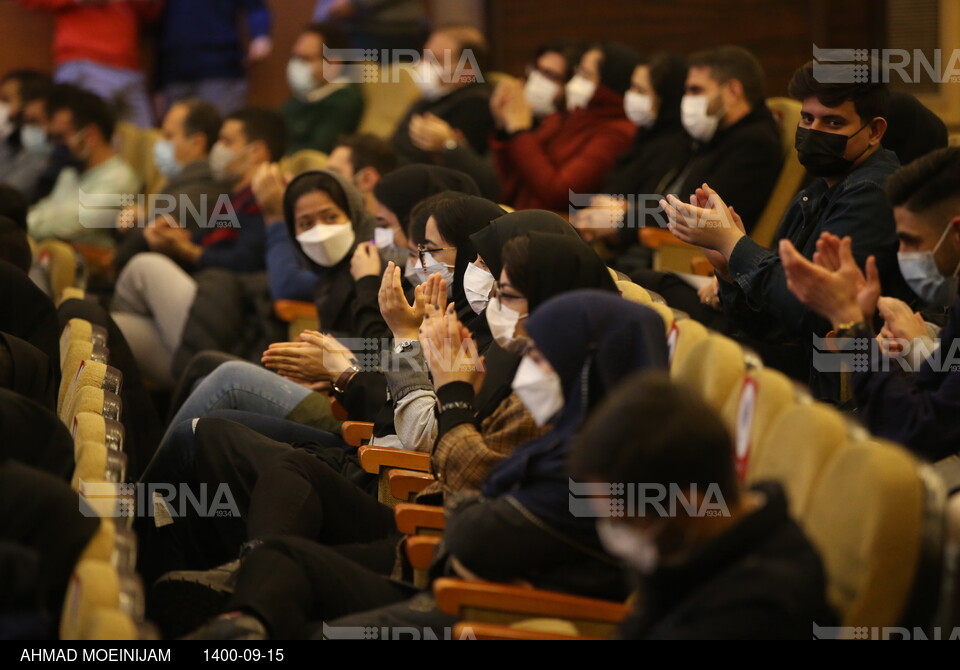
(471, 276)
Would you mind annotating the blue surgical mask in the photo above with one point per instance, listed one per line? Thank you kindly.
(919, 269)
(34, 139)
(165, 160)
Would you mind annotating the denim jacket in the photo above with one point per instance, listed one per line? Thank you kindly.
(856, 206)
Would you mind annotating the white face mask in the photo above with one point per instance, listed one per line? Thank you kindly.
(428, 80)
(327, 245)
(383, 239)
(541, 393)
(300, 77)
(541, 93)
(436, 267)
(164, 157)
(414, 272)
(698, 123)
(503, 326)
(579, 91)
(476, 285)
(635, 548)
(220, 159)
(919, 270)
(639, 108)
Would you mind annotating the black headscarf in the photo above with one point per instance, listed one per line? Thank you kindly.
(401, 190)
(617, 66)
(489, 241)
(335, 286)
(558, 264)
(593, 340)
(668, 77)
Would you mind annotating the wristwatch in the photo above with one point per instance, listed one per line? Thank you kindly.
(403, 346)
(450, 144)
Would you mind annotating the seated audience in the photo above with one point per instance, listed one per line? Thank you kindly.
(660, 148)
(190, 198)
(916, 409)
(82, 124)
(25, 151)
(364, 159)
(747, 573)
(325, 102)
(541, 166)
(454, 107)
(838, 141)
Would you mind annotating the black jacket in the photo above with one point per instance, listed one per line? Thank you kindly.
(466, 109)
(856, 206)
(762, 579)
(741, 163)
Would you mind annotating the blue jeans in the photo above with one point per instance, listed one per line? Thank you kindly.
(242, 386)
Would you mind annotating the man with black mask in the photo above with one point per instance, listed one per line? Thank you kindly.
(838, 141)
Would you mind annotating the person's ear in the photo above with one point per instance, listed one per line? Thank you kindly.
(954, 234)
(878, 126)
(259, 153)
(734, 90)
(366, 179)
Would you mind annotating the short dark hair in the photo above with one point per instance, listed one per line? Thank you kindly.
(86, 108)
(34, 84)
(570, 48)
(651, 430)
(330, 34)
(262, 124)
(926, 183)
(202, 118)
(14, 245)
(368, 150)
(515, 257)
(869, 99)
(733, 62)
(13, 205)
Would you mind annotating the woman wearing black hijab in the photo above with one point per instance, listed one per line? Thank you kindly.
(660, 148)
(397, 194)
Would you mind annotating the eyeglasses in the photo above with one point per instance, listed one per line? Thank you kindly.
(498, 295)
(552, 76)
(422, 252)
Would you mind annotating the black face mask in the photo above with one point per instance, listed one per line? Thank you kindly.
(821, 153)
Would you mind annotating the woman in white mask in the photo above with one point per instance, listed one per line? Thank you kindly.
(548, 261)
(660, 148)
(326, 219)
(539, 165)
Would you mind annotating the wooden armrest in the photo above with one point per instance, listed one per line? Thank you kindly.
(420, 549)
(339, 411)
(453, 595)
(701, 266)
(412, 517)
(404, 483)
(477, 630)
(288, 310)
(654, 238)
(355, 433)
(372, 458)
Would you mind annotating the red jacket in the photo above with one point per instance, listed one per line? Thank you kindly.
(106, 34)
(572, 151)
